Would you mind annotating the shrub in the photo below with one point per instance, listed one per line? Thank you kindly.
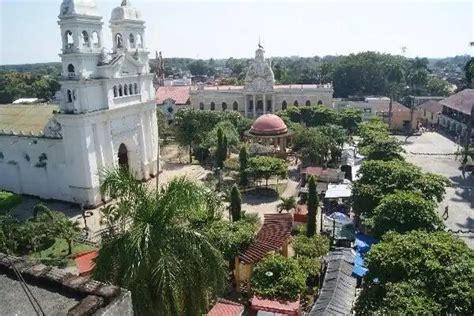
(312, 247)
(278, 277)
(8, 200)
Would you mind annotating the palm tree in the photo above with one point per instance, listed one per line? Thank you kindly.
(287, 204)
(167, 264)
(68, 230)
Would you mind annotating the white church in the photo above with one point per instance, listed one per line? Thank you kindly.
(106, 118)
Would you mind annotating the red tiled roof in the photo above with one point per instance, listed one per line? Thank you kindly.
(273, 306)
(85, 262)
(180, 94)
(383, 106)
(431, 106)
(226, 308)
(461, 101)
(312, 171)
(275, 230)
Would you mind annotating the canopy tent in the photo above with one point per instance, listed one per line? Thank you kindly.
(336, 191)
(363, 242)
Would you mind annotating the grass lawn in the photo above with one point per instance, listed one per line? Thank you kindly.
(57, 254)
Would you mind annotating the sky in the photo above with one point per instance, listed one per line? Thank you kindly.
(29, 32)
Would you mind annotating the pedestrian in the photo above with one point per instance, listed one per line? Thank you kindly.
(445, 214)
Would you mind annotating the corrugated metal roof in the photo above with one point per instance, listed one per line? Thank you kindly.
(275, 230)
(338, 291)
(26, 118)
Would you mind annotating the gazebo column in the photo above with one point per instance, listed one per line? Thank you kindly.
(273, 102)
(254, 105)
(283, 145)
(264, 104)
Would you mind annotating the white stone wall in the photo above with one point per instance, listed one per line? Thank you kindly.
(22, 172)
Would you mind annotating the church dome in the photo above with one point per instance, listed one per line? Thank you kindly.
(268, 124)
(80, 7)
(126, 12)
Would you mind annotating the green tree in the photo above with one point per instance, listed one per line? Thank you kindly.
(286, 204)
(263, 167)
(438, 87)
(387, 148)
(313, 203)
(350, 119)
(230, 238)
(379, 178)
(278, 277)
(69, 231)
(243, 165)
(404, 211)
(220, 150)
(420, 271)
(312, 145)
(235, 203)
(169, 266)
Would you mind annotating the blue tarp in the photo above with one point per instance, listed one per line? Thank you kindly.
(358, 260)
(363, 242)
(359, 271)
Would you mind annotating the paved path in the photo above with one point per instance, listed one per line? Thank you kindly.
(431, 151)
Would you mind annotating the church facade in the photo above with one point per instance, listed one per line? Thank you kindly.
(106, 118)
(259, 95)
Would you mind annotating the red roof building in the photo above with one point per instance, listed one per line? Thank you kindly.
(274, 306)
(179, 94)
(226, 308)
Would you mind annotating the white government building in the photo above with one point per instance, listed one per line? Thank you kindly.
(106, 118)
(259, 95)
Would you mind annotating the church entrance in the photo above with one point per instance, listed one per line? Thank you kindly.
(123, 157)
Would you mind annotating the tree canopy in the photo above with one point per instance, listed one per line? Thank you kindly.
(418, 272)
(404, 211)
(263, 167)
(379, 178)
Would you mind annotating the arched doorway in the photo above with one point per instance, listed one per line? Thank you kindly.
(123, 157)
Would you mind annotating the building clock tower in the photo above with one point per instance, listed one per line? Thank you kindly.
(107, 112)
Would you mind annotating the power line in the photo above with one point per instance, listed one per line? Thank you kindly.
(31, 298)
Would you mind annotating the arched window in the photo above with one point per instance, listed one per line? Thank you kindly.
(135, 86)
(85, 39)
(235, 106)
(69, 96)
(125, 89)
(139, 41)
(224, 106)
(250, 106)
(68, 39)
(70, 69)
(295, 103)
(320, 102)
(308, 103)
(74, 94)
(95, 39)
(131, 40)
(120, 90)
(115, 91)
(118, 40)
(213, 106)
(130, 89)
(284, 105)
(201, 106)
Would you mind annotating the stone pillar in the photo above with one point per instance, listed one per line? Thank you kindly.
(264, 104)
(254, 105)
(245, 105)
(237, 274)
(283, 145)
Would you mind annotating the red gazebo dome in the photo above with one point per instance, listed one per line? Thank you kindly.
(268, 124)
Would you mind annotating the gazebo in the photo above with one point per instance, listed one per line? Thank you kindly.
(270, 129)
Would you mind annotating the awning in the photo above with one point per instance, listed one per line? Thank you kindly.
(335, 191)
(363, 242)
